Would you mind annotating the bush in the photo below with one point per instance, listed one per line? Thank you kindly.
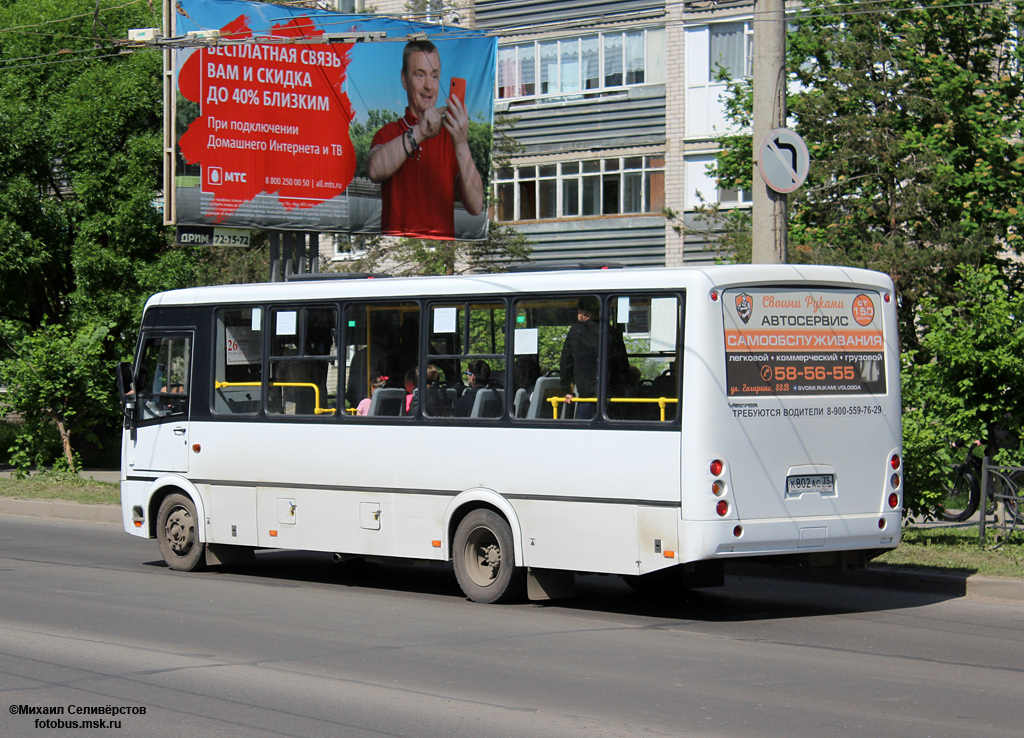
(964, 385)
(58, 383)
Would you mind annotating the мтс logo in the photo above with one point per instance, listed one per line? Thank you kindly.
(214, 175)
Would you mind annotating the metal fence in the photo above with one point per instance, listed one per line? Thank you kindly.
(1002, 502)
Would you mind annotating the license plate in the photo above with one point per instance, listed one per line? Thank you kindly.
(824, 484)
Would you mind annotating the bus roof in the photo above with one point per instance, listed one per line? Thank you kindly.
(695, 277)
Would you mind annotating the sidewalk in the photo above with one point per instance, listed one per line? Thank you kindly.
(874, 577)
(99, 475)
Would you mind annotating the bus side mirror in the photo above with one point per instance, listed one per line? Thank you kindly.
(126, 389)
(125, 382)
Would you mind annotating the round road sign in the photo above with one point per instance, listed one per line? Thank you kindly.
(783, 160)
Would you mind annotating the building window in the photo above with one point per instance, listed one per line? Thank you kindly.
(702, 188)
(731, 49)
(574, 67)
(711, 49)
(612, 186)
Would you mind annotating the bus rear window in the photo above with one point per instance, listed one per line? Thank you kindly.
(796, 342)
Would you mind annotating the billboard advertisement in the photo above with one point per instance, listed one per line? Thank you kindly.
(301, 119)
(798, 342)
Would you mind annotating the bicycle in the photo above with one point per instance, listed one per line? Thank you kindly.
(962, 496)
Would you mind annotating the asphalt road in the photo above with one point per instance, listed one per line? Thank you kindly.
(298, 646)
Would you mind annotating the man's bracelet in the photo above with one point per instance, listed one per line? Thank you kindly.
(409, 143)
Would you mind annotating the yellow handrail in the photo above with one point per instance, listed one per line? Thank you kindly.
(317, 410)
(662, 402)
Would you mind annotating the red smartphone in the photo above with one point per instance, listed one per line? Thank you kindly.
(458, 89)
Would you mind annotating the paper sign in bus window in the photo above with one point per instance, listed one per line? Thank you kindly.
(444, 319)
(286, 323)
(526, 341)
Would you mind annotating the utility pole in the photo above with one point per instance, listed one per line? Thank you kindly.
(769, 236)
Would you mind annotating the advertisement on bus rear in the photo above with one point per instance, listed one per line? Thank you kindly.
(280, 110)
(786, 342)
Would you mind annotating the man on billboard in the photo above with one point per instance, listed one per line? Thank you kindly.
(423, 159)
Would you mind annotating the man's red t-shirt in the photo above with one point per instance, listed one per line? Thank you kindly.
(419, 199)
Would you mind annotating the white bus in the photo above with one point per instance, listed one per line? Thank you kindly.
(651, 423)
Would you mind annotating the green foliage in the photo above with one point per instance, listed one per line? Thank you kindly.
(53, 384)
(964, 383)
(81, 243)
(912, 119)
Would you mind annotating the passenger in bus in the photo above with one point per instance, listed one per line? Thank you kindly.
(363, 408)
(423, 159)
(377, 359)
(411, 380)
(479, 376)
(580, 354)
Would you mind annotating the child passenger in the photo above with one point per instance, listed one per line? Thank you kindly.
(364, 404)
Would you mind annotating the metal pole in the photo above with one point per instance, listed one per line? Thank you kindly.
(275, 256)
(769, 236)
(983, 505)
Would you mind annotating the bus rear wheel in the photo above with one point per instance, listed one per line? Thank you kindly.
(484, 558)
(176, 533)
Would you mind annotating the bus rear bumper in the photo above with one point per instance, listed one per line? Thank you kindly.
(729, 539)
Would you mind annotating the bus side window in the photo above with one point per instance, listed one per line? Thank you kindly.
(381, 347)
(302, 353)
(555, 355)
(466, 347)
(646, 328)
(238, 361)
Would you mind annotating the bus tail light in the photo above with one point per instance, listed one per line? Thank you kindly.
(895, 462)
(717, 466)
(894, 500)
(722, 508)
(718, 488)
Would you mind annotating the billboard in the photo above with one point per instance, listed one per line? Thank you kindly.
(310, 120)
(790, 342)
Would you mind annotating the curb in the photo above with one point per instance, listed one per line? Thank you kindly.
(886, 577)
(61, 510)
(873, 577)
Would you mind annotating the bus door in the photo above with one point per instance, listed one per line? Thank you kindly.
(159, 439)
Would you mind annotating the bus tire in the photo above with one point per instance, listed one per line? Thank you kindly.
(176, 533)
(484, 558)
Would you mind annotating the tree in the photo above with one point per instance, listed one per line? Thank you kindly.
(53, 383)
(964, 384)
(82, 243)
(912, 117)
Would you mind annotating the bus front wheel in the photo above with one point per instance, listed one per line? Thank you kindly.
(176, 533)
(484, 559)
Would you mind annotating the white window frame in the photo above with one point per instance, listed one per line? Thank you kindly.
(565, 177)
(705, 111)
(699, 182)
(509, 84)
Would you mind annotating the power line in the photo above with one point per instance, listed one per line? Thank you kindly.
(125, 52)
(847, 9)
(72, 17)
